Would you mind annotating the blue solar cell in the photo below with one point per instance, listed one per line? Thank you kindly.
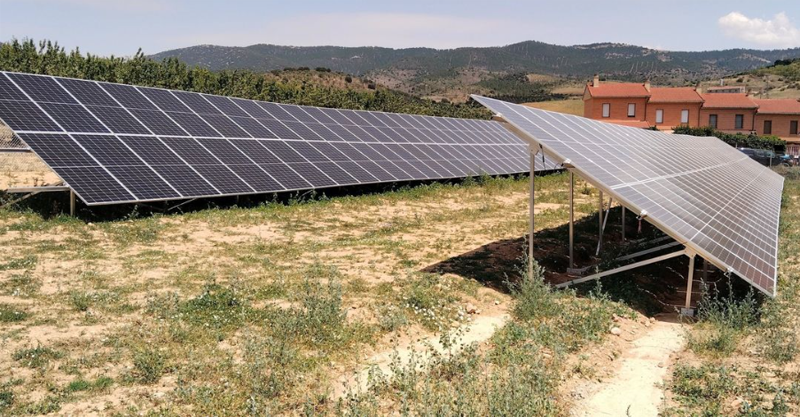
(143, 182)
(8, 91)
(58, 150)
(196, 102)
(108, 150)
(165, 100)
(118, 120)
(226, 106)
(87, 92)
(128, 96)
(42, 88)
(94, 185)
(26, 116)
(74, 118)
(158, 122)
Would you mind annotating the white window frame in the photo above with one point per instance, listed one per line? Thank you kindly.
(659, 116)
(606, 110)
(631, 106)
(685, 116)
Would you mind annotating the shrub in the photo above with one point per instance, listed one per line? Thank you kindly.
(769, 142)
(148, 365)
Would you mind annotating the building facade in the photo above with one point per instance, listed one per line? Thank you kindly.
(729, 110)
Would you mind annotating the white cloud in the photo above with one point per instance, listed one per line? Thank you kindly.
(777, 32)
(394, 30)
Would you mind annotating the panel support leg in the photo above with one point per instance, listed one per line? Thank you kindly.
(623, 221)
(571, 220)
(600, 223)
(687, 311)
(532, 215)
(72, 203)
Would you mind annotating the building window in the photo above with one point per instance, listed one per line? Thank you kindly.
(739, 122)
(793, 127)
(659, 116)
(631, 110)
(712, 120)
(684, 116)
(606, 110)
(767, 127)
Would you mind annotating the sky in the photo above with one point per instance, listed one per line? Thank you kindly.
(120, 27)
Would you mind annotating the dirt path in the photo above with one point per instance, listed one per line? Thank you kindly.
(479, 330)
(634, 389)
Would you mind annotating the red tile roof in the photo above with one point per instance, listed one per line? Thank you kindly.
(778, 106)
(674, 95)
(618, 90)
(728, 101)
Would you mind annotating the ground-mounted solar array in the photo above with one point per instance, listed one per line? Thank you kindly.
(704, 193)
(116, 143)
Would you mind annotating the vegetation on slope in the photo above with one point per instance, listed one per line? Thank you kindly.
(618, 60)
(49, 58)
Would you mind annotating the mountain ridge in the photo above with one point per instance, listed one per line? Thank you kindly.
(612, 59)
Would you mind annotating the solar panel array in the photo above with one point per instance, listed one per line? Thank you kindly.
(116, 143)
(699, 190)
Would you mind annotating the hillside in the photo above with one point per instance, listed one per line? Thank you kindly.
(780, 80)
(432, 72)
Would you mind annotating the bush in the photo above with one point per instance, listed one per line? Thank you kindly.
(772, 143)
(148, 365)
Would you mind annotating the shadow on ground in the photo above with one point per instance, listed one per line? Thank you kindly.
(651, 289)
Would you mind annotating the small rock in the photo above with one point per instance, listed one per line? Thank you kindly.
(652, 320)
(497, 302)
(661, 364)
(647, 324)
(615, 317)
(471, 309)
(616, 331)
(737, 403)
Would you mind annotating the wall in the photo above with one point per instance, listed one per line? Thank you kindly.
(726, 119)
(780, 124)
(593, 108)
(672, 113)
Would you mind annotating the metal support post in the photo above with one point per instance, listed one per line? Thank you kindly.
(689, 282)
(600, 223)
(623, 221)
(622, 269)
(571, 220)
(72, 203)
(705, 270)
(532, 214)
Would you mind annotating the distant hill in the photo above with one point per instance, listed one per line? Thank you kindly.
(780, 80)
(421, 68)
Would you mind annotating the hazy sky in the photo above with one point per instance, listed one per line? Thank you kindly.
(122, 26)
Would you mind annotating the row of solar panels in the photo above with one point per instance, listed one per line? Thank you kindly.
(115, 143)
(699, 190)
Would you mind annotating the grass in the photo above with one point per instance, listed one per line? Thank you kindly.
(259, 308)
(569, 106)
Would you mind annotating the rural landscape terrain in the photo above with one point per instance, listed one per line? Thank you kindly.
(400, 299)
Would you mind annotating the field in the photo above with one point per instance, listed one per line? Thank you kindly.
(568, 106)
(281, 308)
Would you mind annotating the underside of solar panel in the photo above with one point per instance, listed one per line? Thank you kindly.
(700, 191)
(116, 143)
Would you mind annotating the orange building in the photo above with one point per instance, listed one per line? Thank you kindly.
(728, 112)
(733, 111)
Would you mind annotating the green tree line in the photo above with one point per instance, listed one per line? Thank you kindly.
(47, 57)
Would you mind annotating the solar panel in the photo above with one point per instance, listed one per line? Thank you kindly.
(117, 143)
(704, 193)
